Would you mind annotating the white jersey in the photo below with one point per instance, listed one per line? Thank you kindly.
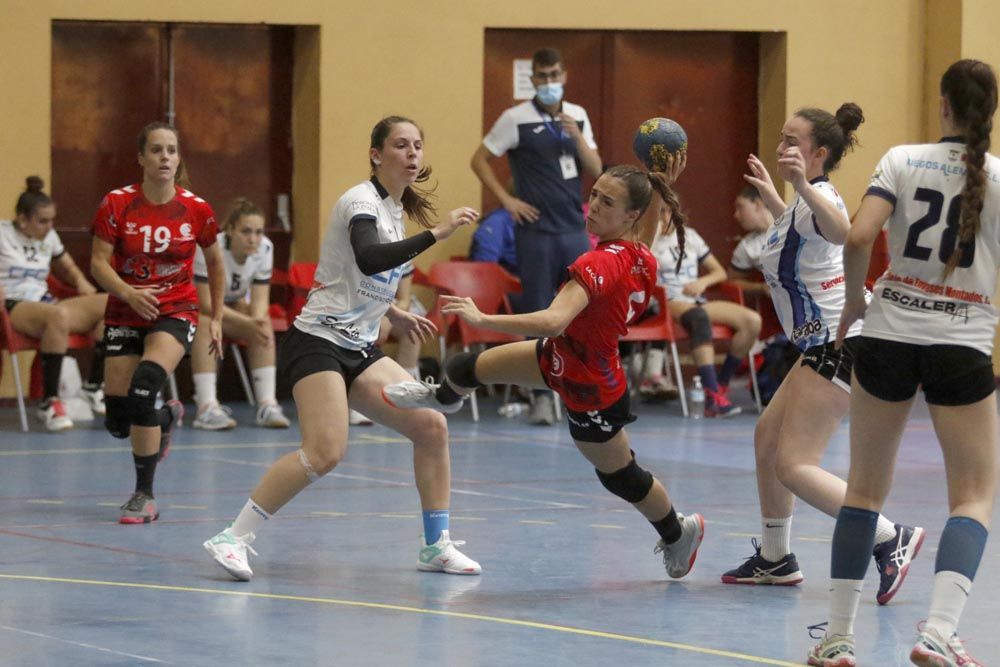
(806, 273)
(667, 250)
(345, 306)
(912, 303)
(748, 251)
(24, 262)
(256, 269)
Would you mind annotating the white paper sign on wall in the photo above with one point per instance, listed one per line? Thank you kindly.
(523, 88)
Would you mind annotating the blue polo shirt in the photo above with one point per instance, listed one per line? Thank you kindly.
(534, 143)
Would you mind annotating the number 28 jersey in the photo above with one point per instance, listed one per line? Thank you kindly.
(154, 246)
(583, 364)
(912, 302)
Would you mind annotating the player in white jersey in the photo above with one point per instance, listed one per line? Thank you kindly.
(29, 247)
(249, 259)
(332, 363)
(930, 324)
(679, 273)
(802, 264)
(753, 217)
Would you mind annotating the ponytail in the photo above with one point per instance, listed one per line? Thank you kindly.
(677, 216)
(970, 86)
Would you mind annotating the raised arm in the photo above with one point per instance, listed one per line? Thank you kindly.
(552, 321)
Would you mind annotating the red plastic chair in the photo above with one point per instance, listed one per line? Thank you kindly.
(14, 342)
(488, 285)
(661, 327)
(301, 276)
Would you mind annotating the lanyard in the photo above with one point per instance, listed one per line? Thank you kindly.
(552, 125)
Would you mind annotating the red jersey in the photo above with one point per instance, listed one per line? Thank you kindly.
(583, 364)
(154, 245)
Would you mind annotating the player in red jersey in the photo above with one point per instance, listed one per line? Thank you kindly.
(145, 237)
(577, 355)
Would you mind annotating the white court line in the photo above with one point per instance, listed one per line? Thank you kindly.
(69, 641)
(607, 526)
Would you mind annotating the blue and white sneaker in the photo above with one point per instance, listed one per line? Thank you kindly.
(443, 556)
(935, 650)
(757, 570)
(679, 557)
(893, 557)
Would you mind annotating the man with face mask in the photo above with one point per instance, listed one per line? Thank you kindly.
(549, 143)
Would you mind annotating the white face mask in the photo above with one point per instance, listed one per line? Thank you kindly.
(550, 93)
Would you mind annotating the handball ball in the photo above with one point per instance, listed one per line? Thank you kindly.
(657, 137)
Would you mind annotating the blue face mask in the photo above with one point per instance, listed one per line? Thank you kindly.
(550, 93)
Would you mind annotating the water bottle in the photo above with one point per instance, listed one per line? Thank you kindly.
(696, 399)
(512, 410)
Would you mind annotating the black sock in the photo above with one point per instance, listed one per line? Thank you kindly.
(51, 367)
(668, 527)
(446, 395)
(96, 378)
(145, 470)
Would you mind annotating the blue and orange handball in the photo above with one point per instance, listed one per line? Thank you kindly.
(655, 139)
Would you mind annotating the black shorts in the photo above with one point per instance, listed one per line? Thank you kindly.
(10, 303)
(303, 354)
(834, 365)
(600, 425)
(126, 341)
(950, 374)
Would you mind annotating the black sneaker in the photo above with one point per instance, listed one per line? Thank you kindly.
(893, 557)
(758, 570)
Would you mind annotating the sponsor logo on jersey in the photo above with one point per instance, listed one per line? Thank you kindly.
(139, 266)
(130, 228)
(958, 311)
(168, 269)
(830, 284)
(595, 277)
(186, 232)
(558, 365)
(810, 328)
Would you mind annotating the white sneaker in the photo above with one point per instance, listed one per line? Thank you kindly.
(934, 650)
(53, 415)
(442, 556)
(214, 417)
(95, 399)
(358, 419)
(230, 551)
(833, 651)
(270, 415)
(417, 394)
(543, 411)
(679, 557)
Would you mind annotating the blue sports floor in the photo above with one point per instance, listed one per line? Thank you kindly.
(569, 578)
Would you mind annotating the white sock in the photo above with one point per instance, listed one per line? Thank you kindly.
(948, 596)
(776, 542)
(844, 597)
(249, 520)
(204, 389)
(884, 530)
(263, 384)
(414, 372)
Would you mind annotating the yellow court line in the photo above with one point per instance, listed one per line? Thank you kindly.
(416, 610)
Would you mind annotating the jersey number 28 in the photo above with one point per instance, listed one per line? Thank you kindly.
(935, 204)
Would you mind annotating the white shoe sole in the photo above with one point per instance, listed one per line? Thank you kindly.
(236, 573)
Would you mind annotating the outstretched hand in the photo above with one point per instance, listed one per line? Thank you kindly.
(462, 306)
(458, 218)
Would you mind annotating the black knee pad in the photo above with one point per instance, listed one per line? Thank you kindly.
(631, 483)
(148, 379)
(462, 370)
(116, 416)
(698, 326)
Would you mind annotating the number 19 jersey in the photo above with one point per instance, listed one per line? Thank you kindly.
(154, 246)
(913, 303)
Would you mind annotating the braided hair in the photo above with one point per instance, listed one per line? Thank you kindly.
(640, 186)
(970, 86)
